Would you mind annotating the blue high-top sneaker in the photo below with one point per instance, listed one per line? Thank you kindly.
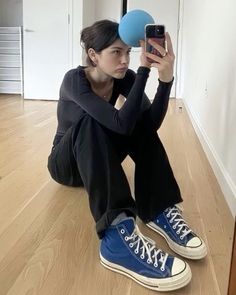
(181, 239)
(125, 250)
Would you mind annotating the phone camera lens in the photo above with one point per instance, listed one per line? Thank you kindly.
(160, 30)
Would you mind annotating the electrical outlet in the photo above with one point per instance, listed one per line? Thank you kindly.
(206, 90)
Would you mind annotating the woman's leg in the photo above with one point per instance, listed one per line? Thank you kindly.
(124, 249)
(157, 193)
(88, 150)
(155, 186)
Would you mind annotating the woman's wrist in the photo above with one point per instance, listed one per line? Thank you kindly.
(146, 65)
(168, 77)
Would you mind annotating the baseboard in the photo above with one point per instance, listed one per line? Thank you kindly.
(227, 186)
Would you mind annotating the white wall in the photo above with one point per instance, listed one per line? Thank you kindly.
(11, 13)
(108, 9)
(208, 87)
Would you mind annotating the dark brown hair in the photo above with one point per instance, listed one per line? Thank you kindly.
(99, 36)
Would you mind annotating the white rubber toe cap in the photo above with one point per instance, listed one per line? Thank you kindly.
(178, 266)
(194, 242)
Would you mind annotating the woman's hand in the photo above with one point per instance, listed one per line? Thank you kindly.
(164, 64)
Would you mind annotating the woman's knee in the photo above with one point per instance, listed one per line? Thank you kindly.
(88, 133)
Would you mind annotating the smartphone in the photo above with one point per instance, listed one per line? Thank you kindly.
(157, 34)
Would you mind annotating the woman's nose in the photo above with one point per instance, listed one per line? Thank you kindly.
(125, 59)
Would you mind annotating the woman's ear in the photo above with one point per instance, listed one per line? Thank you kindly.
(92, 55)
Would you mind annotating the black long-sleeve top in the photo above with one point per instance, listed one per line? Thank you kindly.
(77, 98)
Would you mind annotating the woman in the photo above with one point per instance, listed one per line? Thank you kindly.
(92, 140)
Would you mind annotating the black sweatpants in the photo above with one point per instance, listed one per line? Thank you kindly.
(90, 155)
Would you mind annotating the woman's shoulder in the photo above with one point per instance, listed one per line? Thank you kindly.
(80, 70)
(74, 80)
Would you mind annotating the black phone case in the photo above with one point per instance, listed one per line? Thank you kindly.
(158, 36)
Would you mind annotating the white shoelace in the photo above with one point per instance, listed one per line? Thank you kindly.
(178, 221)
(147, 246)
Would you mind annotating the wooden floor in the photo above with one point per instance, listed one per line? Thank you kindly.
(48, 244)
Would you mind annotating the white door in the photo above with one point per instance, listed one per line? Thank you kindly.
(46, 47)
(164, 12)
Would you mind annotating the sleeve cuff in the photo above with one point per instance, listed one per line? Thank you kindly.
(166, 83)
(143, 70)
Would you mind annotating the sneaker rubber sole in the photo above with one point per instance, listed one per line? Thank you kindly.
(187, 252)
(166, 284)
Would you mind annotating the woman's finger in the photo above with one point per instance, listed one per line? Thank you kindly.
(157, 47)
(142, 44)
(169, 44)
(154, 57)
(143, 58)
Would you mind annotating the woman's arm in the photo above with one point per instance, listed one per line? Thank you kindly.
(159, 106)
(75, 87)
(164, 65)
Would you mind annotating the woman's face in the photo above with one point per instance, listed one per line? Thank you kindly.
(114, 60)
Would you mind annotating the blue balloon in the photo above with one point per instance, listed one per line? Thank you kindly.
(132, 26)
